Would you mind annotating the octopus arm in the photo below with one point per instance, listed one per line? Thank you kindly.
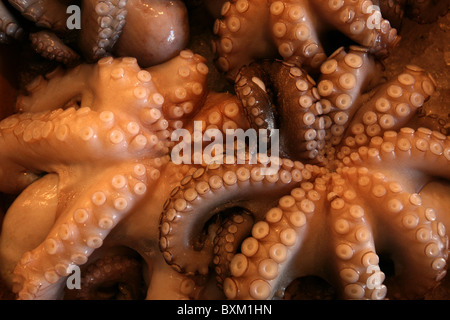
(211, 188)
(361, 22)
(295, 33)
(242, 35)
(9, 26)
(39, 216)
(422, 150)
(345, 77)
(52, 48)
(394, 103)
(412, 234)
(281, 247)
(80, 229)
(104, 22)
(45, 13)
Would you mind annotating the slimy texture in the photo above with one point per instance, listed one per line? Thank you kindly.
(109, 164)
(100, 29)
(252, 30)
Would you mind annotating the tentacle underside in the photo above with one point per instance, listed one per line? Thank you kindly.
(235, 47)
(394, 103)
(45, 13)
(103, 22)
(283, 240)
(296, 33)
(223, 186)
(80, 229)
(361, 22)
(52, 48)
(9, 26)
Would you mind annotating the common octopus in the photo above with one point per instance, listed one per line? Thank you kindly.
(151, 31)
(360, 199)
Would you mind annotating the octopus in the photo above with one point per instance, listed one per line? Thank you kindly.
(150, 31)
(366, 203)
(356, 207)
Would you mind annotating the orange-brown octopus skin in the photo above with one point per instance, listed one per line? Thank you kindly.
(252, 30)
(367, 212)
(130, 136)
(347, 99)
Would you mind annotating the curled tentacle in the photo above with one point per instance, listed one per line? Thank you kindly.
(295, 34)
(217, 186)
(262, 268)
(229, 236)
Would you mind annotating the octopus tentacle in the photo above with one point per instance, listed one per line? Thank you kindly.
(426, 11)
(243, 35)
(185, 93)
(208, 187)
(345, 77)
(423, 150)
(281, 241)
(416, 233)
(357, 263)
(262, 267)
(294, 33)
(103, 22)
(81, 229)
(229, 236)
(252, 86)
(291, 110)
(51, 47)
(110, 277)
(361, 22)
(45, 13)
(9, 26)
(291, 28)
(394, 102)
